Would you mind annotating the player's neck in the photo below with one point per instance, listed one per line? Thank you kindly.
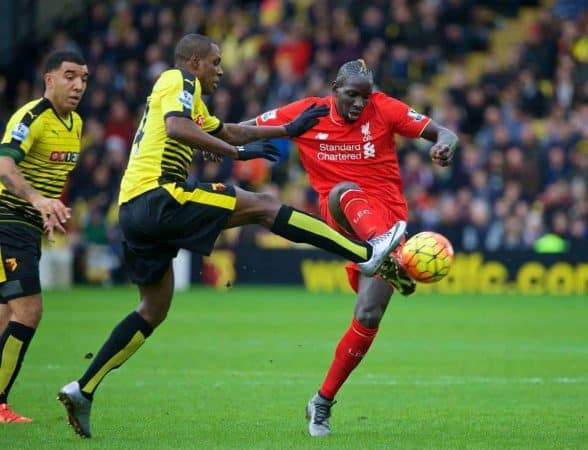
(63, 113)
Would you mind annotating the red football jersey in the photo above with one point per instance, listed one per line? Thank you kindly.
(363, 152)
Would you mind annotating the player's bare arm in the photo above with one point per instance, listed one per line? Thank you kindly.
(187, 132)
(53, 211)
(238, 134)
(184, 130)
(445, 143)
(244, 132)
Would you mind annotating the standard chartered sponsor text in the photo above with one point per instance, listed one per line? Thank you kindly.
(325, 149)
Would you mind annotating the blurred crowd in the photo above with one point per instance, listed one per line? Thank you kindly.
(521, 172)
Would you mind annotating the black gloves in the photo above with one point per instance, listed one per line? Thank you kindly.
(258, 149)
(306, 120)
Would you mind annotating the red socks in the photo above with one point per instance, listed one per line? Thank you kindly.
(349, 353)
(354, 204)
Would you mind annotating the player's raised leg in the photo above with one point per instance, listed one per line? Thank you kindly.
(298, 226)
(350, 207)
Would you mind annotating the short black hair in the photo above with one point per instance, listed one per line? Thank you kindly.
(193, 45)
(355, 68)
(55, 58)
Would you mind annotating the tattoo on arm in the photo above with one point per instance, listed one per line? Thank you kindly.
(15, 183)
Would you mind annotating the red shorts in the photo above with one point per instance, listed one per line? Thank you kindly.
(391, 211)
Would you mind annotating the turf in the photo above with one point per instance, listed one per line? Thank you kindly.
(234, 369)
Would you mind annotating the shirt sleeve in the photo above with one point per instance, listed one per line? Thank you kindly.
(402, 119)
(284, 114)
(204, 119)
(21, 133)
(177, 93)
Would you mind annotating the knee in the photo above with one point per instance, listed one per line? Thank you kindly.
(27, 312)
(335, 201)
(369, 317)
(369, 312)
(268, 209)
(153, 312)
(339, 189)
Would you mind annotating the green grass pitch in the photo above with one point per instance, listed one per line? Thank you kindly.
(234, 369)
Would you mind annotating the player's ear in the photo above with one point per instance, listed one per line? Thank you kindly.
(48, 78)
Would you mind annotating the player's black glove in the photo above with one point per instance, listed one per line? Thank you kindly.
(258, 149)
(306, 120)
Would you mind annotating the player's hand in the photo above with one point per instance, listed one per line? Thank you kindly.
(306, 120)
(258, 149)
(49, 228)
(54, 213)
(442, 154)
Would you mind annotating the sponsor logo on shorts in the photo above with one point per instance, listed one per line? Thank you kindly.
(218, 187)
(199, 120)
(11, 264)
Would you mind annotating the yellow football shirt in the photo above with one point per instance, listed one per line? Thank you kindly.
(46, 148)
(155, 158)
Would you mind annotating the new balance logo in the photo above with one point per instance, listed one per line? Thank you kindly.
(322, 136)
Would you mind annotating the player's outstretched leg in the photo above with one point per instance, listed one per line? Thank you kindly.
(78, 408)
(382, 246)
(393, 272)
(318, 411)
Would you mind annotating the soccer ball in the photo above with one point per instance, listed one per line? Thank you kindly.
(427, 257)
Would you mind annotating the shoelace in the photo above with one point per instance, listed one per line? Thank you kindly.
(322, 412)
(8, 414)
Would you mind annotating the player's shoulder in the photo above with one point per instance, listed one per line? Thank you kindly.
(176, 75)
(31, 111)
(304, 103)
(388, 105)
(77, 119)
(381, 98)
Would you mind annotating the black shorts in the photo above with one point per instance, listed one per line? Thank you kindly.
(156, 224)
(20, 251)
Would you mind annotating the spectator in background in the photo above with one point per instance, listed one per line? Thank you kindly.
(494, 112)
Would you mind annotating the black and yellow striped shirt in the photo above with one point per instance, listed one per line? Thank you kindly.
(155, 158)
(46, 148)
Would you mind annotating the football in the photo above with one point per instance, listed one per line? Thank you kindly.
(427, 257)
